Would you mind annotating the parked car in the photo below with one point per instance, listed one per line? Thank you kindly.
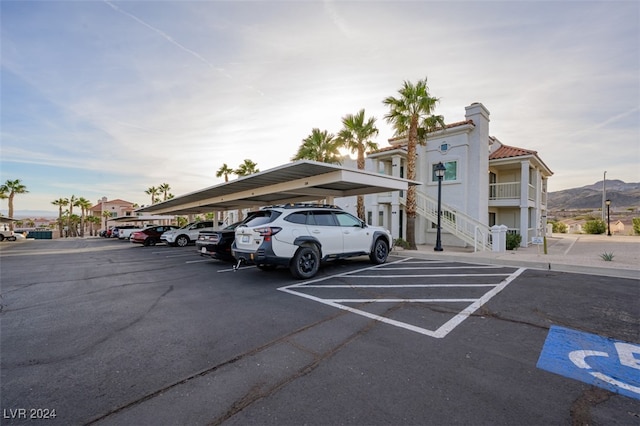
(217, 244)
(150, 235)
(124, 232)
(189, 233)
(6, 233)
(300, 236)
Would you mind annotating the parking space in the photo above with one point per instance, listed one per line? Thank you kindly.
(107, 332)
(433, 296)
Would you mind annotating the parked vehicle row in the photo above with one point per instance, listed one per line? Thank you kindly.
(296, 236)
(150, 235)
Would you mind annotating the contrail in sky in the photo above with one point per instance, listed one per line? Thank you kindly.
(168, 38)
(178, 45)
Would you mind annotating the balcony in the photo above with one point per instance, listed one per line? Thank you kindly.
(504, 191)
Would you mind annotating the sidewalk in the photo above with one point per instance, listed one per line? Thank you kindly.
(565, 253)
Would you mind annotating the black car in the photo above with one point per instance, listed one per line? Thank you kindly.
(217, 244)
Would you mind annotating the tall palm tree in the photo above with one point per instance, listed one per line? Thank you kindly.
(72, 202)
(356, 135)
(247, 168)
(153, 191)
(164, 188)
(84, 205)
(412, 110)
(60, 202)
(225, 171)
(319, 146)
(12, 187)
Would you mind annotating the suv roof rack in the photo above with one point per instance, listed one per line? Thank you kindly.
(302, 205)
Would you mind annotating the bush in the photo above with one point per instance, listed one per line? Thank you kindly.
(636, 225)
(559, 227)
(596, 226)
(513, 241)
(399, 242)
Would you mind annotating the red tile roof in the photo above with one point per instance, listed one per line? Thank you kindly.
(506, 151)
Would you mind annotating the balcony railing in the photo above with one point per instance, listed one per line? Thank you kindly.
(504, 191)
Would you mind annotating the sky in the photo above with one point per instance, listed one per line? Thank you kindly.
(108, 98)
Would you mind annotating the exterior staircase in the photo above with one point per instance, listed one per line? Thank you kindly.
(459, 224)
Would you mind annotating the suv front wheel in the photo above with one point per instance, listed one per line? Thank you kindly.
(182, 241)
(380, 252)
(305, 262)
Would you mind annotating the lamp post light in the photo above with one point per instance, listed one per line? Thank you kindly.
(608, 203)
(439, 171)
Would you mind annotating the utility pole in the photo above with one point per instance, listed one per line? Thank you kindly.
(604, 193)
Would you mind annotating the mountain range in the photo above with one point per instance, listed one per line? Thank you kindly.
(622, 195)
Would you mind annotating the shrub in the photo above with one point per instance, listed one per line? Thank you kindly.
(559, 227)
(636, 225)
(513, 241)
(607, 257)
(399, 242)
(596, 226)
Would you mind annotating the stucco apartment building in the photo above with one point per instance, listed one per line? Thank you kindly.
(114, 208)
(486, 183)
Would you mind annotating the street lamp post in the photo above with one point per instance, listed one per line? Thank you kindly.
(439, 171)
(608, 203)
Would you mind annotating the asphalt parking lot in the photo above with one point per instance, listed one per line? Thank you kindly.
(105, 332)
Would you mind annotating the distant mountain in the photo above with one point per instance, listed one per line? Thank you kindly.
(622, 195)
(31, 214)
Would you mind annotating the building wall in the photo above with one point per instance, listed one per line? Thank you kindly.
(468, 146)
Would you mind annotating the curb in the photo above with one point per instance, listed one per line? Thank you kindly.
(530, 264)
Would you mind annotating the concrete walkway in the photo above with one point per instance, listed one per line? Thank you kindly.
(565, 253)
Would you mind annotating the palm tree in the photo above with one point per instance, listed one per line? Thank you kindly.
(247, 168)
(153, 191)
(225, 171)
(356, 135)
(60, 202)
(73, 201)
(84, 205)
(412, 110)
(12, 187)
(93, 220)
(164, 188)
(106, 215)
(319, 146)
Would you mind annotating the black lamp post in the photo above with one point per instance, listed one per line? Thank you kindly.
(439, 171)
(608, 203)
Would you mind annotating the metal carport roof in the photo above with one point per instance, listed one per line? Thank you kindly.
(300, 181)
(144, 218)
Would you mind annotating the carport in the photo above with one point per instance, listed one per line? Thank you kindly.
(143, 218)
(300, 181)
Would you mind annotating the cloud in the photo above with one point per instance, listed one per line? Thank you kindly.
(168, 91)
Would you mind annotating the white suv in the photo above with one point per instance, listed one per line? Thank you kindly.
(183, 236)
(300, 236)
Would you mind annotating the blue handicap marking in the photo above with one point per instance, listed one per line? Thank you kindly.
(599, 361)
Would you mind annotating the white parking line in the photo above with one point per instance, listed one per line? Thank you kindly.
(440, 332)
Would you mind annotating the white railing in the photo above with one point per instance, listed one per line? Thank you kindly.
(504, 191)
(459, 224)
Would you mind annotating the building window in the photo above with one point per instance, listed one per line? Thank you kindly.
(444, 147)
(451, 172)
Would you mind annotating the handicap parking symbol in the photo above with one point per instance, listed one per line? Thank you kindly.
(610, 364)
